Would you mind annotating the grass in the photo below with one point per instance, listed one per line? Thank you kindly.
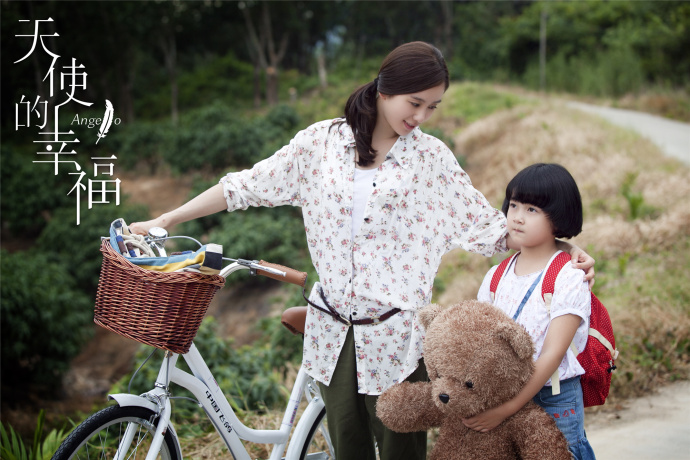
(637, 226)
(669, 103)
(637, 223)
(649, 302)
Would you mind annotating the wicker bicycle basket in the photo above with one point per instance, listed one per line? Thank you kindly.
(163, 310)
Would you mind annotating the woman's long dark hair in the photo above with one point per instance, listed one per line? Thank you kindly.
(409, 68)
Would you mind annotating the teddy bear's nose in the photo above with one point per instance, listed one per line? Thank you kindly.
(444, 398)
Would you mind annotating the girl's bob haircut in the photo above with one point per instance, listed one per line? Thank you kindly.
(551, 188)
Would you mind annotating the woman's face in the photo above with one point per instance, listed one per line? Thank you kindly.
(399, 114)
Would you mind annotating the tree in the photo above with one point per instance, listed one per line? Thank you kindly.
(655, 35)
(267, 50)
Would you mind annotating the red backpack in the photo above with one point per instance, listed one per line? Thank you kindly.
(600, 352)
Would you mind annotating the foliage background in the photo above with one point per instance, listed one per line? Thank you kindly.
(207, 87)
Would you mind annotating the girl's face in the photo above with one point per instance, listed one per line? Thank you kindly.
(399, 114)
(528, 225)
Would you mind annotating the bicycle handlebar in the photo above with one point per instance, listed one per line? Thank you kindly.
(270, 270)
(291, 275)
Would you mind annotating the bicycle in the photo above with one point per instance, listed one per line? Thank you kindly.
(140, 425)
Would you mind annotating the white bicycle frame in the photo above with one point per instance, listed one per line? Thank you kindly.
(211, 398)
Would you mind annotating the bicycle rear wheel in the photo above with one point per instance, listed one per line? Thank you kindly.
(103, 433)
(317, 445)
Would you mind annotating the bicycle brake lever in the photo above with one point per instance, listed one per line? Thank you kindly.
(254, 265)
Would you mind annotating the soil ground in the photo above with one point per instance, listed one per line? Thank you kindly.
(652, 427)
(657, 426)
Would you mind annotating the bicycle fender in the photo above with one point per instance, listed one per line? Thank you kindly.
(305, 422)
(125, 399)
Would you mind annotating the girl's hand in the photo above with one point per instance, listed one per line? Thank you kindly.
(487, 420)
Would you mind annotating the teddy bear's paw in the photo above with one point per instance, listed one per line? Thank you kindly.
(406, 407)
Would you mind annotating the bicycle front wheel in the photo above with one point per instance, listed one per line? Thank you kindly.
(119, 433)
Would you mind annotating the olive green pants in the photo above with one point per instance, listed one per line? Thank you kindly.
(352, 421)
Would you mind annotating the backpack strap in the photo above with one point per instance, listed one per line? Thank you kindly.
(498, 275)
(547, 288)
(552, 271)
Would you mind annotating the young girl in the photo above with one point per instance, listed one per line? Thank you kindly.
(543, 203)
(382, 202)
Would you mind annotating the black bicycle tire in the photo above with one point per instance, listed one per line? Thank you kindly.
(100, 420)
(312, 430)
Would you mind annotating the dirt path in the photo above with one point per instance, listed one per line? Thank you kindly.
(672, 137)
(655, 427)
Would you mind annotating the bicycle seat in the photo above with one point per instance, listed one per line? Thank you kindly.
(294, 318)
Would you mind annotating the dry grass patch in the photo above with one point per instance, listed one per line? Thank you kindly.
(637, 226)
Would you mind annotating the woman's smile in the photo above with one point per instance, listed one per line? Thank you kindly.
(408, 126)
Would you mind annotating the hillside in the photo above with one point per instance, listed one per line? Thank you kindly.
(634, 255)
(637, 226)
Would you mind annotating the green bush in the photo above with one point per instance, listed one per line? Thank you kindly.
(199, 228)
(283, 117)
(611, 72)
(217, 137)
(76, 248)
(212, 78)
(143, 143)
(209, 136)
(224, 77)
(45, 318)
(30, 192)
(272, 234)
(286, 346)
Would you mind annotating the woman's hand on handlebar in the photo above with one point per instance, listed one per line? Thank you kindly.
(142, 228)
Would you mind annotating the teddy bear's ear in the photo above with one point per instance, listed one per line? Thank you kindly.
(428, 313)
(518, 339)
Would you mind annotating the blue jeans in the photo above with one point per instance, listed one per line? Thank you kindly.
(568, 411)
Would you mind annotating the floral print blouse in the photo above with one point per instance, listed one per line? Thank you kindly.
(422, 206)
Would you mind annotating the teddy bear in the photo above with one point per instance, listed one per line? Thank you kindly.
(477, 358)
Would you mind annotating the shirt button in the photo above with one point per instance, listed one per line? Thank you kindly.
(367, 219)
(354, 313)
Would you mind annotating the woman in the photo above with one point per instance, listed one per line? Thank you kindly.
(382, 203)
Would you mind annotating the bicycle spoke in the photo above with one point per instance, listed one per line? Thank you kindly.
(140, 439)
(117, 433)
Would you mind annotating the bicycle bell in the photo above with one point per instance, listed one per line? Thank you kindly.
(159, 234)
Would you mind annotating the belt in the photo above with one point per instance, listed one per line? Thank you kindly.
(349, 322)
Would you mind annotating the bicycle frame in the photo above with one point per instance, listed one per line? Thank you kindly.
(211, 398)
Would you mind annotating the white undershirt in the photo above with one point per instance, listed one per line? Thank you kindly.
(364, 184)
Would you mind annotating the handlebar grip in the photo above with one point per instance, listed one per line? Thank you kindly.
(291, 275)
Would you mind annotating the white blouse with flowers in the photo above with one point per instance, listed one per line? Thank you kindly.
(422, 206)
